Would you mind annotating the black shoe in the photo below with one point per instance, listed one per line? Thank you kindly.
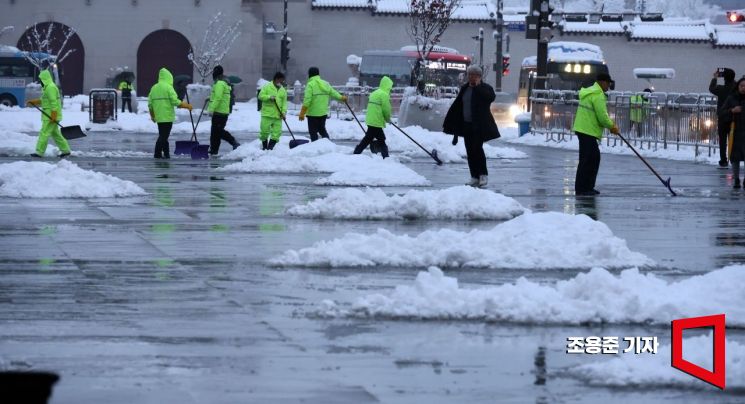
(35, 155)
(723, 163)
(63, 155)
(596, 192)
(585, 193)
(157, 156)
(264, 144)
(271, 144)
(737, 185)
(236, 145)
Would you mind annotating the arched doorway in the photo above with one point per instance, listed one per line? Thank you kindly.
(72, 67)
(162, 48)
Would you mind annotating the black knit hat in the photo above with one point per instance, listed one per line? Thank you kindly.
(313, 71)
(217, 72)
(603, 77)
(278, 75)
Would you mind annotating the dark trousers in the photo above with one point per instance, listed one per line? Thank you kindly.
(316, 126)
(474, 151)
(218, 133)
(161, 145)
(128, 102)
(373, 133)
(723, 131)
(589, 163)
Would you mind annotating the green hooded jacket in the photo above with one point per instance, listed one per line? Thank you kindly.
(268, 107)
(639, 107)
(317, 94)
(50, 97)
(592, 112)
(220, 98)
(379, 105)
(162, 98)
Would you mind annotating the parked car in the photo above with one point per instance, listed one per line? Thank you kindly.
(505, 108)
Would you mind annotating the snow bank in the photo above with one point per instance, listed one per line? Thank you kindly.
(655, 370)
(23, 179)
(453, 203)
(325, 157)
(19, 144)
(594, 297)
(282, 149)
(530, 241)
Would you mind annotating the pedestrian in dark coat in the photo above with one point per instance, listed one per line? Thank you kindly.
(733, 111)
(722, 92)
(470, 117)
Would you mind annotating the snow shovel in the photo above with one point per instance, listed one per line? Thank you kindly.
(185, 146)
(434, 151)
(664, 182)
(199, 152)
(68, 132)
(294, 142)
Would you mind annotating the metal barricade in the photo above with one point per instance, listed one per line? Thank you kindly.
(648, 119)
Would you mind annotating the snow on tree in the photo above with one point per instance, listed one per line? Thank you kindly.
(218, 38)
(429, 19)
(694, 9)
(43, 44)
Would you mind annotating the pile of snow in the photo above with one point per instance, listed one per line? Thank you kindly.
(453, 203)
(530, 241)
(23, 179)
(399, 144)
(594, 297)
(19, 144)
(655, 370)
(323, 156)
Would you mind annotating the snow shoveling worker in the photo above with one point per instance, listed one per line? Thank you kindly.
(220, 109)
(591, 118)
(52, 106)
(722, 92)
(161, 102)
(733, 113)
(316, 103)
(273, 97)
(470, 116)
(378, 114)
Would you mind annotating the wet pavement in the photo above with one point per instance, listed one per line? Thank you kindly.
(167, 297)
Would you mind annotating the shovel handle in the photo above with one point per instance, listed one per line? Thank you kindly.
(280, 114)
(47, 115)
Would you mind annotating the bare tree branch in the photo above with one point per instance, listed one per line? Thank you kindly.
(42, 44)
(215, 45)
(429, 19)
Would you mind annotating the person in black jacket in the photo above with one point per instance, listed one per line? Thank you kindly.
(722, 92)
(733, 111)
(470, 117)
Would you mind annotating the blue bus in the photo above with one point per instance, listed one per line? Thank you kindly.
(16, 72)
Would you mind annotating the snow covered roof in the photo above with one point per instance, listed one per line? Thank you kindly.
(565, 51)
(468, 10)
(668, 30)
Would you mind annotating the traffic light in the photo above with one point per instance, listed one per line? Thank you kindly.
(736, 16)
(285, 49)
(505, 65)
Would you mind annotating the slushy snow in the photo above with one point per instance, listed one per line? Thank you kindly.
(460, 202)
(23, 179)
(530, 241)
(655, 371)
(323, 156)
(593, 297)
(19, 144)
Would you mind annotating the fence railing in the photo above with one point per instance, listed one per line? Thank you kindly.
(657, 120)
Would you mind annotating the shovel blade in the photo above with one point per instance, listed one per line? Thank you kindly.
(297, 142)
(72, 132)
(185, 146)
(200, 152)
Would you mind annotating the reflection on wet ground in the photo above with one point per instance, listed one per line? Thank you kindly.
(167, 298)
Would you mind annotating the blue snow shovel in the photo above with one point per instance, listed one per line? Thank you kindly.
(68, 132)
(294, 142)
(186, 146)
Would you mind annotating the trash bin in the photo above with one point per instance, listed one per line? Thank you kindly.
(523, 123)
(103, 105)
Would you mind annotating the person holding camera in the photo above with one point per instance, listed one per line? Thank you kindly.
(722, 92)
(731, 113)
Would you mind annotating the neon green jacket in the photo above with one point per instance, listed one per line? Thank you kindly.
(125, 86)
(317, 94)
(220, 98)
(379, 105)
(268, 107)
(162, 98)
(638, 108)
(592, 112)
(50, 97)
